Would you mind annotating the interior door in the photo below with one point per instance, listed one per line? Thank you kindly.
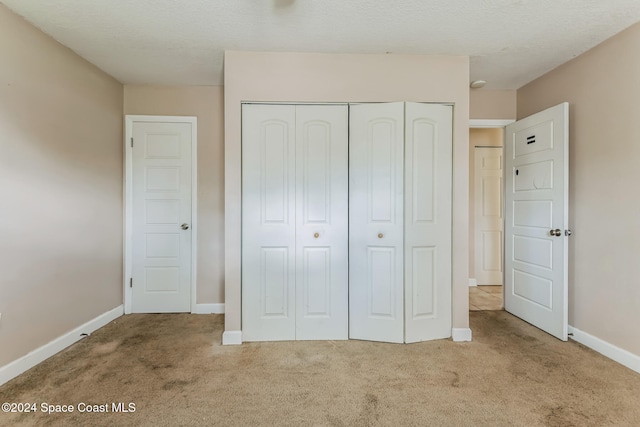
(161, 209)
(268, 222)
(536, 219)
(427, 221)
(376, 211)
(322, 229)
(488, 215)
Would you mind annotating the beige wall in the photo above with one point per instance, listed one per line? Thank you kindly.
(61, 187)
(492, 104)
(602, 87)
(484, 137)
(297, 77)
(206, 103)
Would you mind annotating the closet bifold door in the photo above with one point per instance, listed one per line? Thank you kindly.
(294, 222)
(268, 222)
(427, 221)
(376, 160)
(322, 233)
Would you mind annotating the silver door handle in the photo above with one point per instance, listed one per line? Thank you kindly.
(557, 232)
(380, 235)
(185, 226)
(316, 235)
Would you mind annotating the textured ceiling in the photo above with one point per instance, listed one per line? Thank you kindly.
(181, 42)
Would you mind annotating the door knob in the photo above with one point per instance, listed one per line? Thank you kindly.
(557, 232)
(185, 226)
(316, 235)
(380, 235)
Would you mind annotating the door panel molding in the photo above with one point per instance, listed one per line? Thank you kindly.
(128, 201)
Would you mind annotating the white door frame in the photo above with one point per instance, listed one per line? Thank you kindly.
(491, 123)
(128, 200)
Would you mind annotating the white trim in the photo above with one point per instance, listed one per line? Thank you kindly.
(461, 334)
(31, 359)
(128, 200)
(232, 338)
(483, 123)
(624, 357)
(208, 309)
(473, 282)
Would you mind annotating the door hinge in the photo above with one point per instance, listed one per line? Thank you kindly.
(131, 282)
(131, 142)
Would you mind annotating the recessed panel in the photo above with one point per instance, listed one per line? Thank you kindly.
(492, 250)
(317, 172)
(532, 213)
(161, 279)
(380, 281)
(491, 196)
(533, 176)
(534, 251)
(162, 146)
(492, 163)
(275, 172)
(424, 137)
(534, 139)
(533, 288)
(317, 281)
(423, 282)
(274, 278)
(162, 211)
(162, 245)
(162, 179)
(381, 170)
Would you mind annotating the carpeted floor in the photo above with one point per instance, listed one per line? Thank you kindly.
(173, 368)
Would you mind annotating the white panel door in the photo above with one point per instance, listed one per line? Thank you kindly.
(536, 198)
(161, 195)
(488, 215)
(268, 222)
(322, 234)
(376, 158)
(427, 225)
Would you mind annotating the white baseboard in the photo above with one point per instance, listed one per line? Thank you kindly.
(461, 334)
(232, 337)
(28, 361)
(208, 309)
(624, 357)
(473, 282)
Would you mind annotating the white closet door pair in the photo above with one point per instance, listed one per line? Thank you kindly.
(400, 175)
(294, 222)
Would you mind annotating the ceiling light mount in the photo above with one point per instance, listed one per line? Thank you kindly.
(477, 84)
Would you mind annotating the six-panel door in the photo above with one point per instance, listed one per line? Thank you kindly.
(537, 202)
(488, 215)
(161, 205)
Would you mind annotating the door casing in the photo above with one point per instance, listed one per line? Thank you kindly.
(128, 201)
